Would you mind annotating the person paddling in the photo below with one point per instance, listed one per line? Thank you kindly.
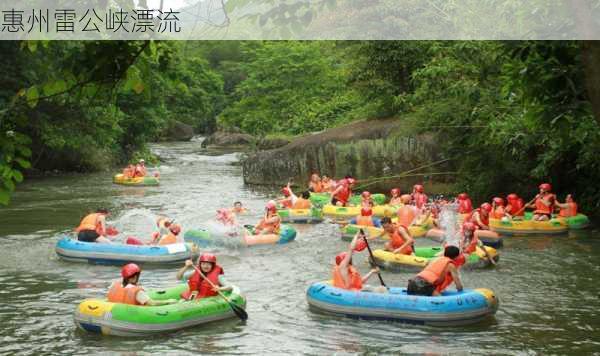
(129, 292)
(345, 276)
(270, 222)
(92, 227)
(514, 206)
(544, 203)
(199, 287)
(431, 281)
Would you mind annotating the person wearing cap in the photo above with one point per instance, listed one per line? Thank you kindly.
(345, 276)
(465, 206)
(128, 291)
(432, 280)
(481, 216)
(270, 222)
(544, 203)
(92, 227)
(343, 191)
(199, 284)
(140, 169)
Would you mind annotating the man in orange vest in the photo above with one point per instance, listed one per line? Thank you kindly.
(345, 276)
(270, 222)
(544, 203)
(401, 242)
(92, 227)
(303, 201)
(129, 292)
(568, 208)
(428, 281)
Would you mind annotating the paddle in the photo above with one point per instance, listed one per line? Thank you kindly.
(239, 311)
(371, 255)
(525, 206)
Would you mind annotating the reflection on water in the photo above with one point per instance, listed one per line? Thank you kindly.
(549, 296)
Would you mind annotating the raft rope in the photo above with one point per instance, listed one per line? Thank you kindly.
(405, 174)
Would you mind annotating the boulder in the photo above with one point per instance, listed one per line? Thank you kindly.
(178, 131)
(228, 140)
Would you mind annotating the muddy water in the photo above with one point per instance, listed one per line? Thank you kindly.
(547, 285)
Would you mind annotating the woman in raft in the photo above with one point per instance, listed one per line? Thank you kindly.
(315, 185)
(270, 222)
(345, 276)
(129, 291)
(206, 284)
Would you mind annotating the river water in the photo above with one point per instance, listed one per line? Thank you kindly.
(548, 289)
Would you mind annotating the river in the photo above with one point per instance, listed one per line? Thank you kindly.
(549, 297)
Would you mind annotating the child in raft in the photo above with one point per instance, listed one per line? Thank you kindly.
(343, 191)
(270, 222)
(437, 275)
(366, 201)
(345, 276)
(129, 292)
(498, 209)
(204, 285)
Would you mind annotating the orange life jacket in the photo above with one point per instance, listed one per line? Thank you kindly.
(406, 215)
(355, 279)
(484, 220)
(287, 203)
(364, 221)
(91, 222)
(435, 272)
(498, 213)
(540, 208)
(301, 203)
(344, 194)
(397, 240)
(316, 187)
(124, 295)
(459, 261)
(273, 227)
(140, 171)
(168, 239)
(420, 199)
(570, 210)
(197, 283)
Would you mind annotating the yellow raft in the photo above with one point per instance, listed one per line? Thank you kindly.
(346, 212)
(350, 230)
(529, 227)
(398, 262)
(137, 181)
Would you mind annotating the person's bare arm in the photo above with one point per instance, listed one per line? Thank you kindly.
(456, 277)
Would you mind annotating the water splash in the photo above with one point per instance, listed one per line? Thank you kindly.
(448, 219)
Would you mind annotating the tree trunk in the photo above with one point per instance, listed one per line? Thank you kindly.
(591, 68)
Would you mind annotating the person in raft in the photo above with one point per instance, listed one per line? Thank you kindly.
(498, 209)
(465, 206)
(303, 201)
(129, 292)
(568, 208)
(395, 197)
(289, 198)
(407, 214)
(469, 241)
(92, 227)
(432, 280)
(366, 201)
(199, 287)
(401, 241)
(238, 208)
(129, 171)
(327, 184)
(343, 191)
(315, 185)
(172, 237)
(366, 218)
(270, 222)
(418, 196)
(345, 276)
(481, 216)
(514, 207)
(140, 169)
(544, 203)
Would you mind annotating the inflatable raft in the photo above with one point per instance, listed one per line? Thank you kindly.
(301, 216)
(488, 237)
(137, 181)
(529, 227)
(452, 308)
(350, 230)
(70, 249)
(103, 317)
(397, 262)
(348, 212)
(203, 238)
(322, 199)
(579, 221)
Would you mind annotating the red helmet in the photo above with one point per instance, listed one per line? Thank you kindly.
(285, 191)
(365, 195)
(463, 196)
(208, 257)
(129, 270)
(546, 187)
(419, 188)
(469, 226)
(271, 206)
(487, 207)
(175, 229)
(512, 196)
(366, 212)
(395, 192)
(340, 257)
(351, 181)
(498, 201)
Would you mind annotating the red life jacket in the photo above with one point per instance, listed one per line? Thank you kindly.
(571, 210)
(465, 206)
(515, 206)
(397, 240)
(343, 194)
(485, 220)
(197, 283)
(420, 199)
(541, 208)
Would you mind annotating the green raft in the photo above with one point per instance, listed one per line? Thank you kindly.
(320, 199)
(577, 222)
(102, 317)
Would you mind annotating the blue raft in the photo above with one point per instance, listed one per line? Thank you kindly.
(449, 309)
(70, 249)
